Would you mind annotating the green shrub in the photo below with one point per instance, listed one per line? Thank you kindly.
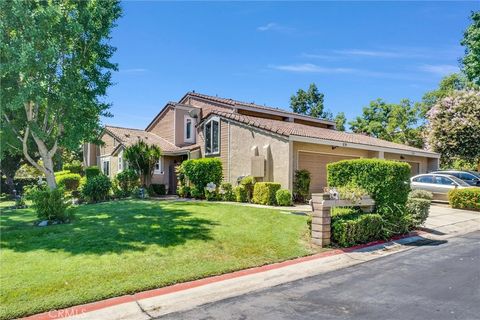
(468, 198)
(69, 181)
(226, 192)
(74, 167)
(200, 172)
(350, 229)
(22, 183)
(97, 188)
(284, 197)
(183, 191)
(61, 173)
(418, 209)
(197, 193)
(50, 204)
(241, 194)
(248, 183)
(386, 181)
(92, 171)
(140, 193)
(420, 194)
(301, 185)
(212, 195)
(127, 180)
(157, 189)
(352, 192)
(264, 192)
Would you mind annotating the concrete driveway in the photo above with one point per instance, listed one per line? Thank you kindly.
(444, 220)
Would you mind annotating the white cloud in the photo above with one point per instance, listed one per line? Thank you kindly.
(272, 26)
(311, 68)
(132, 70)
(439, 69)
(372, 53)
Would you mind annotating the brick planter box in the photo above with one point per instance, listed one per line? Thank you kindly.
(321, 216)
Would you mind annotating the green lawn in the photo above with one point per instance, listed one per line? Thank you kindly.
(123, 247)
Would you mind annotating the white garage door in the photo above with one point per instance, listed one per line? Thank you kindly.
(316, 164)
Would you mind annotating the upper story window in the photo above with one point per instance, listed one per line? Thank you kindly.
(189, 133)
(158, 166)
(212, 136)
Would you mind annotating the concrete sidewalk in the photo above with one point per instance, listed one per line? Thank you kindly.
(442, 224)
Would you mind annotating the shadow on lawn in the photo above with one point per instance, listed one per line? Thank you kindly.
(112, 227)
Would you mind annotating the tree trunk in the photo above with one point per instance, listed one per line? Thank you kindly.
(49, 172)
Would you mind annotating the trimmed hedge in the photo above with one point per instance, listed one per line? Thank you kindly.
(264, 192)
(284, 197)
(386, 181)
(351, 228)
(241, 194)
(202, 171)
(92, 171)
(468, 198)
(70, 181)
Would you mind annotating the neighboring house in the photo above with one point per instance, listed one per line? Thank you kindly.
(250, 139)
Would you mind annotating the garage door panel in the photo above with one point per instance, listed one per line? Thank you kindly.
(316, 164)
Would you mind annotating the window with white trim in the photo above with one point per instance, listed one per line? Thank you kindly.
(212, 136)
(106, 167)
(158, 166)
(189, 134)
(120, 161)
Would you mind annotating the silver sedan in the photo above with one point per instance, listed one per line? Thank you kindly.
(438, 184)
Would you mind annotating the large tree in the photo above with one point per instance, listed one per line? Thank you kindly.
(454, 127)
(447, 86)
(55, 72)
(390, 121)
(340, 121)
(471, 41)
(309, 103)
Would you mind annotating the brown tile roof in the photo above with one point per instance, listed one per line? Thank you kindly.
(128, 136)
(237, 103)
(296, 129)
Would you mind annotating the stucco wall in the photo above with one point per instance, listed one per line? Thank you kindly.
(242, 139)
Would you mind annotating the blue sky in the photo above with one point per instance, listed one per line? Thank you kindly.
(263, 52)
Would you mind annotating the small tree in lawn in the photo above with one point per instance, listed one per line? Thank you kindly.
(55, 69)
(142, 157)
(454, 127)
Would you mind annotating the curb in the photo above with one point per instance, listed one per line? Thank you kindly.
(102, 304)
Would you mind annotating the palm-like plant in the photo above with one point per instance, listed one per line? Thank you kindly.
(142, 158)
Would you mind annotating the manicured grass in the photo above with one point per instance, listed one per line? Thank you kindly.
(122, 247)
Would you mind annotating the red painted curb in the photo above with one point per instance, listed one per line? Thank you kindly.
(80, 309)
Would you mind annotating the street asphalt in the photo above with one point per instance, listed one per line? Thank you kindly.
(435, 280)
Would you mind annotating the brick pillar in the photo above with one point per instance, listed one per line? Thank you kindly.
(321, 220)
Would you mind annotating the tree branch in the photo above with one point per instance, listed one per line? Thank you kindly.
(25, 152)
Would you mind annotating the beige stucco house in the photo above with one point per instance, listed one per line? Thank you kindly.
(250, 139)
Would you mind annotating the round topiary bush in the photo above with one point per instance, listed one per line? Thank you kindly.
(284, 197)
